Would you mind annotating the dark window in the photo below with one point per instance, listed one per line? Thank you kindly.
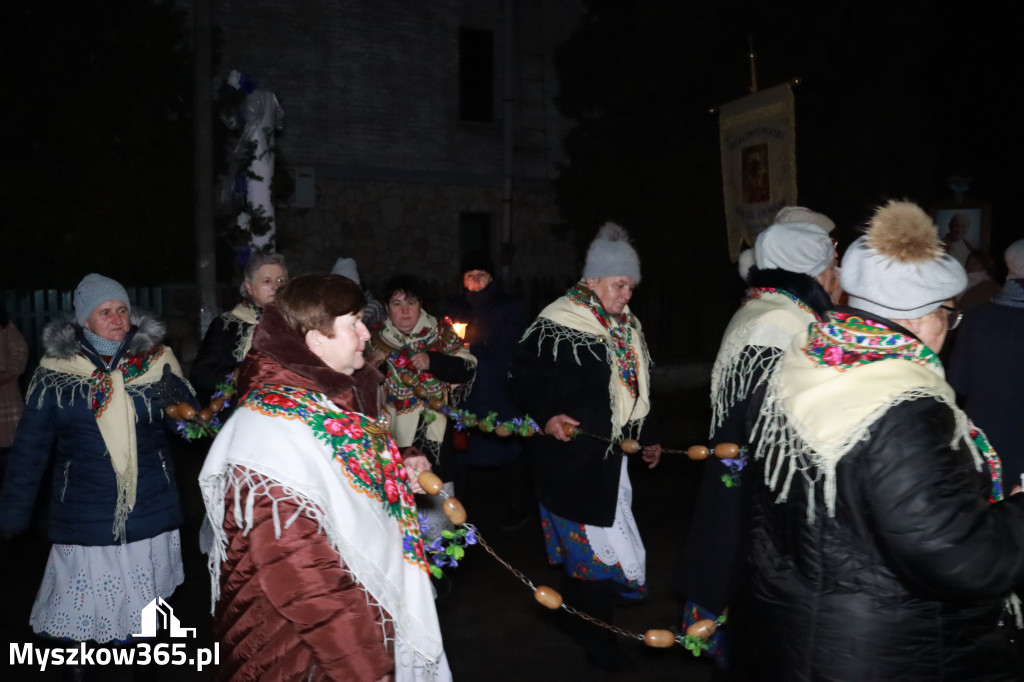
(474, 232)
(476, 75)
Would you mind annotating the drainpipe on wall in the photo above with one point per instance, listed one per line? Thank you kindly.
(202, 115)
(508, 137)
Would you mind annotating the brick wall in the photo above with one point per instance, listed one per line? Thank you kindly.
(370, 95)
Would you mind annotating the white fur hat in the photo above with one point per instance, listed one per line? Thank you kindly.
(1014, 257)
(797, 247)
(898, 268)
(611, 255)
(346, 267)
(745, 262)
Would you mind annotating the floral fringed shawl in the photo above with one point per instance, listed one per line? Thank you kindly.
(343, 470)
(401, 402)
(579, 320)
(867, 368)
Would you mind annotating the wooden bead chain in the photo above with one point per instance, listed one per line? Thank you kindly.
(696, 634)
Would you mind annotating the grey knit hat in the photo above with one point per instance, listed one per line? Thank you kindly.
(1014, 256)
(797, 247)
(899, 269)
(93, 290)
(346, 267)
(800, 214)
(610, 255)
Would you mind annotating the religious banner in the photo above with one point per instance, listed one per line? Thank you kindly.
(757, 138)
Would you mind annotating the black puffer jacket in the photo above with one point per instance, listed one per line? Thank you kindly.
(905, 582)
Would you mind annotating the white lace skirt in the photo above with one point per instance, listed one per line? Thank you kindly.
(621, 544)
(98, 593)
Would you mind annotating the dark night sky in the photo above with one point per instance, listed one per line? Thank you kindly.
(895, 98)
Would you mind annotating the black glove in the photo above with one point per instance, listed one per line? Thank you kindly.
(172, 389)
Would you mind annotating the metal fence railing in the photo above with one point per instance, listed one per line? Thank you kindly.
(30, 311)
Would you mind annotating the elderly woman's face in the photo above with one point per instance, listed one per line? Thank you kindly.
(343, 350)
(265, 283)
(613, 292)
(109, 321)
(404, 311)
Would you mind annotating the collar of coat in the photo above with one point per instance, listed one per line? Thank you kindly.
(280, 356)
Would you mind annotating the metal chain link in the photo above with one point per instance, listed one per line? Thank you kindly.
(529, 583)
(622, 632)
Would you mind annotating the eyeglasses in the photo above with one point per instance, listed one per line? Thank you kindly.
(953, 316)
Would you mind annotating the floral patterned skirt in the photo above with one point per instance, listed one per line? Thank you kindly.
(98, 593)
(599, 553)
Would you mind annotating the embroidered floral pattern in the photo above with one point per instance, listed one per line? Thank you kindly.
(401, 395)
(132, 366)
(567, 544)
(621, 334)
(364, 450)
(995, 465)
(844, 341)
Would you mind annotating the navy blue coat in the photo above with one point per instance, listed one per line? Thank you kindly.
(987, 371)
(496, 322)
(59, 421)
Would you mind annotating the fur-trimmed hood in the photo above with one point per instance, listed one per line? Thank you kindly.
(60, 335)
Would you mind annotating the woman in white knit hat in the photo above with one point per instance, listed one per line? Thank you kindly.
(790, 287)
(584, 363)
(883, 545)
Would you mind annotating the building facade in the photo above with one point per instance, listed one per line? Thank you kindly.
(417, 132)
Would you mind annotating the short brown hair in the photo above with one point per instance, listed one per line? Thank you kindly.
(314, 301)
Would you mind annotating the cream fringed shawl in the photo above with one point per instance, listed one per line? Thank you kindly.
(111, 396)
(578, 320)
(247, 314)
(405, 409)
(832, 385)
(757, 334)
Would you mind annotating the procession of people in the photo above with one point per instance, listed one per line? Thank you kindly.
(857, 523)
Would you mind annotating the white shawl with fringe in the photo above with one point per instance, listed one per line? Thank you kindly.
(366, 538)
